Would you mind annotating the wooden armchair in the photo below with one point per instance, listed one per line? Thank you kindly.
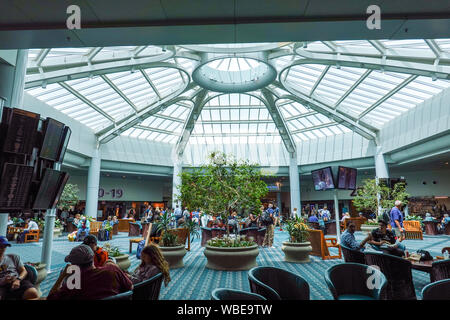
(413, 230)
(32, 236)
(94, 227)
(320, 245)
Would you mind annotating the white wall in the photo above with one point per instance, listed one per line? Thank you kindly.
(147, 189)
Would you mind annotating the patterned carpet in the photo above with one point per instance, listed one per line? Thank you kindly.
(195, 282)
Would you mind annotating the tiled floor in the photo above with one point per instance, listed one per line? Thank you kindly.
(194, 281)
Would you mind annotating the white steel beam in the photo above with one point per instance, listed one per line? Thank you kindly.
(119, 92)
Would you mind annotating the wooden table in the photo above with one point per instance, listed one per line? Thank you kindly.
(424, 266)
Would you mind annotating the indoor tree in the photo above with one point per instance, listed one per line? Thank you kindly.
(366, 198)
(69, 196)
(222, 185)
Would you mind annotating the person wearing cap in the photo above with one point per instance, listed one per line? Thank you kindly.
(100, 255)
(13, 284)
(396, 217)
(383, 239)
(94, 283)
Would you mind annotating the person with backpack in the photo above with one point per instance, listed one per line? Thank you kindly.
(267, 220)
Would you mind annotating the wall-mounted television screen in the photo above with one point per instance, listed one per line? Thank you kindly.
(347, 178)
(21, 132)
(323, 179)
(65, 142)
(15, 184)
(53, 139)
(49, 189)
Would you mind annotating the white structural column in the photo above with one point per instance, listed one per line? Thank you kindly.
(381, 170)
(177, 168)
(337, 221)
(46, 254)
(93, 184)
(294, 183)
(12, 79)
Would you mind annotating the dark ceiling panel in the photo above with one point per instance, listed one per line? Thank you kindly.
(198, 9)
(270, 8)
(10, 14)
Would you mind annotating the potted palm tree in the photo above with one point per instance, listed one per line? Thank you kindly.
(297, 248)
(218, 188)
(171, 247)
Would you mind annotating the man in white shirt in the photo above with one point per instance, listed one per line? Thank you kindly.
(32, 225)
(10, 222)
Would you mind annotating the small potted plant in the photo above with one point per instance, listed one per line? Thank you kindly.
(297, 248)
(121, 259)
(57, 230)
(171, 249)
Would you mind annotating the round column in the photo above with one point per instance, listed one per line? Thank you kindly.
(294, 183)
(93, 185)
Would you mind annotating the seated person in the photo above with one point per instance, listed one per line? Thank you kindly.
(348, 238)
(76, 220)
(383, 239)
(152, 263)
(32, 225)
(252, 221)
(346, 216)
(443, 223)
(428, 217)
(95, 283)
(83, 226)
(100, 255)
(13, 284)
(108, 223)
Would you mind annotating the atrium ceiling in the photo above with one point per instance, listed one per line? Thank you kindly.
(240, 93)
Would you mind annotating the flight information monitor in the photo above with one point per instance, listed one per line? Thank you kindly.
(347, 178)
(22, 129)
(15, 184)
(323, 179)
(53, 139)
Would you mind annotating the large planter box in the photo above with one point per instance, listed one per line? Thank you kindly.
(123, 262)
(231, 258)
(174, 256)
(297, 252)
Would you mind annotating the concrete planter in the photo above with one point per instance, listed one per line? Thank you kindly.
(297, 252)
(231, 258)
(123, 262)
(42, 274)
(174, 256)
(367, 228)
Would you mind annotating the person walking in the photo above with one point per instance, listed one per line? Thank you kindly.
(267, 220)
(396, 217)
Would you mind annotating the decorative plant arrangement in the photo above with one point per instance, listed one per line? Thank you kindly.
(193, 229)
(366, 198)
(371, 222)
(297, 229)
(415, 218)
(69, 196)
(167, 239)
(222, 186)
(230, 242)
(113, 251)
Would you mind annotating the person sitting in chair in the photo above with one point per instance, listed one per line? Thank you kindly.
(83, 226)
(348, 238)
(153, 262)
(32, 225)
(384, 240)
(100, 255)
(13, 282)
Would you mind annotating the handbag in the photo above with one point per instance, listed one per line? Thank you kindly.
(424, 255)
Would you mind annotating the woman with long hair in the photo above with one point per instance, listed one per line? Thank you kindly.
(152, 263)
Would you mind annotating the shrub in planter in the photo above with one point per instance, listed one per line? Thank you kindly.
(297, 248)
(122, 259)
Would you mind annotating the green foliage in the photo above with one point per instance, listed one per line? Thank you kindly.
(167, 239)
(113, 251)
(58, 223)
(227, 242)
(223, 185)
(69, 196)
(193, 229)
(415, 218)
(366, 197)
(297, 229)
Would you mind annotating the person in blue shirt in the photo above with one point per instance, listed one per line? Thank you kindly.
(396, 217)
(348, 238)
(83, 226)
(313, 218)
(428, 217)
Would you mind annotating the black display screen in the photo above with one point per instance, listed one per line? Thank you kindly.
(22, 128)
(347, 178)
(48, 188)
(14, 186)
(66, 137)
(323, 179)
(53, 139)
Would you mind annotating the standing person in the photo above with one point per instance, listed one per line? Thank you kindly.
(177, 213)
(397, 220)
(268, 220)
(186, 214)
(294, 213)
(325, 214)
(13, 284)
(276, 215)
(32, 225)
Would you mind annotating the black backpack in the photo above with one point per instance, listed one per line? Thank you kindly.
(266, 219)
(101, 236)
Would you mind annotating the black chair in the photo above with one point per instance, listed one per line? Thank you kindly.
(121, 296)
(261, 235)
(440, 270)
(354, 281)
(232, 294)
(439, 290)
(278, 284)
(398, 274)
(148, 289)
(352, 255)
